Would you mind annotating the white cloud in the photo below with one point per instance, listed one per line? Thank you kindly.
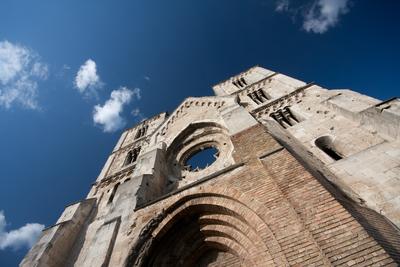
(324, 14)
(20, 71)
(136, 93)
(63, 71)
(282, 5)
(87, 80)
(25, 236)
(136, 112)
(318, 16)
(109, 115)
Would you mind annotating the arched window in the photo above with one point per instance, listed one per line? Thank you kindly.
(138, 133)
(128, 159)
(136, 152)
(110, 200)
(259, 96)
(285, 117)
(132, 156)
(240, 83)
(325, 143)
(141, 131)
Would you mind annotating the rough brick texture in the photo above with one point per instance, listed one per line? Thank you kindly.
(302, 176)
(271, 211)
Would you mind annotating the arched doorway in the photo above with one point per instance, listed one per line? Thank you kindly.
(207, 230)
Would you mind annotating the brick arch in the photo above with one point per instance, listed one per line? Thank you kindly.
(212, 235)
(204, 250)
(204, 221)
(220, 219)
(238, 199)
(185, 236)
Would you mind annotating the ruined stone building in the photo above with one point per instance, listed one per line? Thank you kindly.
(302, 176)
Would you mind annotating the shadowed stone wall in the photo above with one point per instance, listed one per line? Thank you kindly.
(272, 197)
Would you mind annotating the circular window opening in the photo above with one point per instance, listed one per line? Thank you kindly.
(201, 159)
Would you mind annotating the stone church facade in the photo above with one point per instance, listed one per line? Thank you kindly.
(303, 176)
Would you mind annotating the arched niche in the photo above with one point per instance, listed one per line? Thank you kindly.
(326, 144)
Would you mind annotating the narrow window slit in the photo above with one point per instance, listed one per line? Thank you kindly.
(110, 200)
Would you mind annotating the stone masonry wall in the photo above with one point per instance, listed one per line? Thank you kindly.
(294, 219)
(273, 196)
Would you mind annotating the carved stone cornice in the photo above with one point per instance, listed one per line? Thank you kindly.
(116, 176)
(216, 102)
(253, 86)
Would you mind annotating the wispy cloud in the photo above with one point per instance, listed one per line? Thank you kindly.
(20, 71)
(87, 81)
(136, 113)
(318, 16)
(109, 115)
(324, 14)
(282, 5)
(63, 71)
(136, 93)
(25, 236)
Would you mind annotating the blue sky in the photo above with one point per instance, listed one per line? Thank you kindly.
(74, 73)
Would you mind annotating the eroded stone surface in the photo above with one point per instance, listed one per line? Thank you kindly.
(273, 197)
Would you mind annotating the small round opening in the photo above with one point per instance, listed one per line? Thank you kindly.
(201, 159)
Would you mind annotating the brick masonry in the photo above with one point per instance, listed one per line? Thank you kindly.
(292, 220)
(272, 197)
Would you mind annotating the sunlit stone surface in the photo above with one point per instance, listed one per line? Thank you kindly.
(301, 176)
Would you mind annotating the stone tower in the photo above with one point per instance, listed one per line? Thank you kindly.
(302, 176)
